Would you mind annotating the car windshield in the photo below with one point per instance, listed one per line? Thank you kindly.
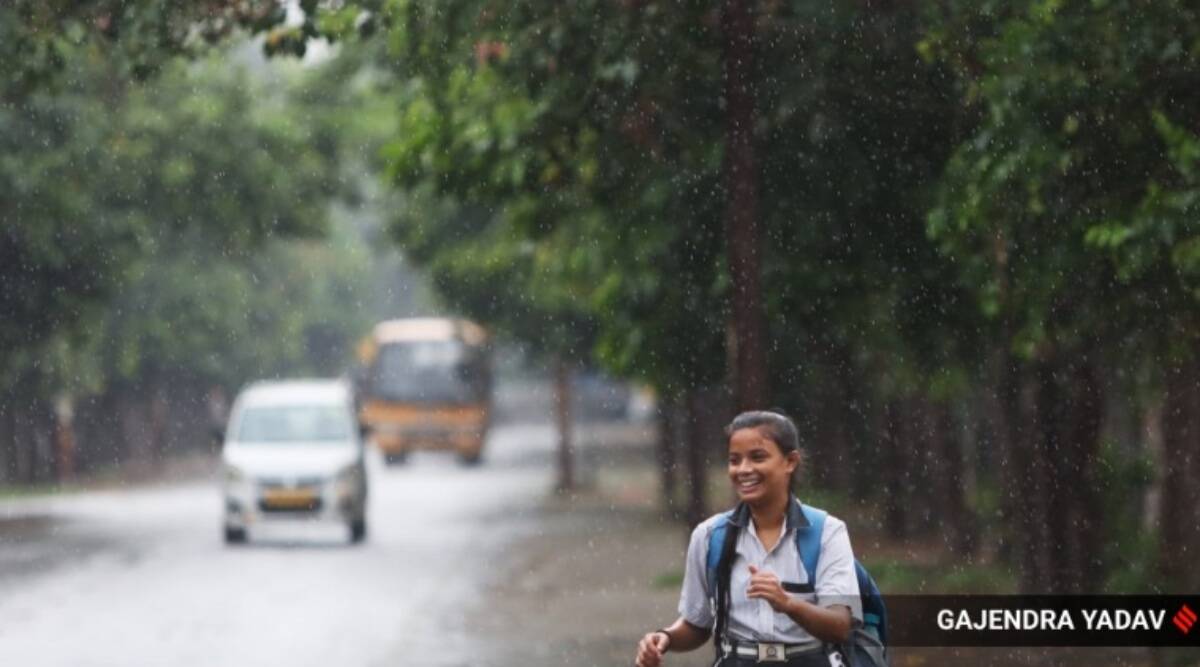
(328, 424)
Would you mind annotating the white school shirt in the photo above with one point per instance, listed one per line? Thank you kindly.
(754, 619)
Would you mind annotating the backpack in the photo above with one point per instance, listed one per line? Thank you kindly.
(867, 645)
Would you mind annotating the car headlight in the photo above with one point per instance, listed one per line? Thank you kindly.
(233, 474)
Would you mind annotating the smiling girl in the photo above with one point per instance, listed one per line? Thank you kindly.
(762, 606)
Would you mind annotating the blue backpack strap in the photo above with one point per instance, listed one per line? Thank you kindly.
(874, 611)
(716, 540)
(862, 651)
(808, 540)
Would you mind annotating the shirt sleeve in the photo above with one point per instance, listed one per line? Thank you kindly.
(836, 580)
(693, 598)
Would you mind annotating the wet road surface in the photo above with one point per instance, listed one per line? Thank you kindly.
(142, 577)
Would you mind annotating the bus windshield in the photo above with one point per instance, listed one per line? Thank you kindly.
(435, 371)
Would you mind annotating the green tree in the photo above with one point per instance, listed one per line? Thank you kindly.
(588, 147)
(1070, 214)
(117, 191)
(870, 335)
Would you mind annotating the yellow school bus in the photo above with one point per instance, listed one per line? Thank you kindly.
(426, 383)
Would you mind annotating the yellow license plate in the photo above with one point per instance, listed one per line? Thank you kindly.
(289, 498)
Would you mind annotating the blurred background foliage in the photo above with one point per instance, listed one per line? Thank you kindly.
(172, 232)
(975, 232)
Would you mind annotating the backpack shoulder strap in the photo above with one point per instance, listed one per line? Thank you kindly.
(721, 546)
(716, 547)
(808, 543)
(874, 611)
(808, 540)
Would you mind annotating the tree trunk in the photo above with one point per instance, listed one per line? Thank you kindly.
(7, 439)
(833, 460)
(137, 444)
(1053, 496)
(1008, 436)
(919, 447)
(43, 436)
(1026, 524)
(741, 215)
(30, 434)
(668, 422)
(64, 440)
(868, 451)
(562, 418)
(697, 507)
(1081, 568)
(99, 428)
(1040, 527)
(950, 482)
(159, 413)
(1178, 538)
(1152, 435)
(895, 474)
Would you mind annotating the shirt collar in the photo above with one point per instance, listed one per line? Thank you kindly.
(795, 515)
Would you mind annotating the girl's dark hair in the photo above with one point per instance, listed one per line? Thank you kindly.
(774, 425)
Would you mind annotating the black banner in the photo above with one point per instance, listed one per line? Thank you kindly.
(1043, 620)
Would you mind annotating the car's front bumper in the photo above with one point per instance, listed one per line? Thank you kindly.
(253, 502)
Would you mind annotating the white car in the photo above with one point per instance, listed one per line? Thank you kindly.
(293, 451)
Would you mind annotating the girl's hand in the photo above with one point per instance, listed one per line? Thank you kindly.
(766, 585)
(651, 649)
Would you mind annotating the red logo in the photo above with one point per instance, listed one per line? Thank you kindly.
(1184, 619)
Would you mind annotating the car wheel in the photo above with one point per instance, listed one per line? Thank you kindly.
(358, 530)
(470, 460)
(235, 535)
(395, 458)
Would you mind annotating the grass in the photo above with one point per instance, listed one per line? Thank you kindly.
(187, 465)
(900, 576)
(102, 477)
(670, 580)
(30, 491)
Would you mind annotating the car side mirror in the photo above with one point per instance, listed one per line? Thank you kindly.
(218, 435)
(364, 430)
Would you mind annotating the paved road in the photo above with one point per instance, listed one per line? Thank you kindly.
(141, 577)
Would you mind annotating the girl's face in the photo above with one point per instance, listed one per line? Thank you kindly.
(758, 468)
